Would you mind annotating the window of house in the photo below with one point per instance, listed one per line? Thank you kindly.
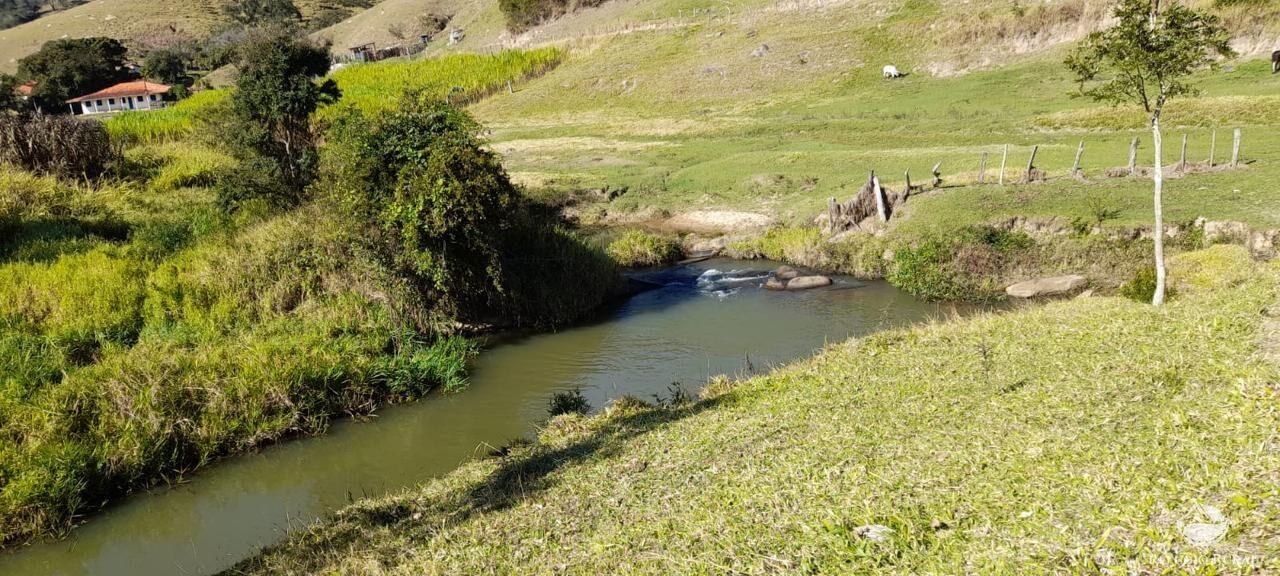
(98, 103)
(111, 101)
(142, 98)
(154, 97)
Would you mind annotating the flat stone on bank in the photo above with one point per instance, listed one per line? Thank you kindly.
(1047, 286)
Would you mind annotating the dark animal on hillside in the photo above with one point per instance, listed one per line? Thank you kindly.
(1275, 61)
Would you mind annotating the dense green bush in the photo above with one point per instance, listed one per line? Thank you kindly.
(444, 213)
(922, 271)
(1142, 287)
(638, 248)
(966, 265)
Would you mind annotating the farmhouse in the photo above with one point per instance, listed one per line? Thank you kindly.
(134, 95)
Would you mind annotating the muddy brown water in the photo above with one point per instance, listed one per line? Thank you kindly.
(707, 319)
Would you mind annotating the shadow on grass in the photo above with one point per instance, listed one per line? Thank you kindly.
(520, 476)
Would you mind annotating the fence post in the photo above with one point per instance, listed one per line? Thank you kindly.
(1031, 163)
(1075, 168)
(1133, 157)
(1213, 146)
(881, 209)
(1004, 161)
(1182, 160)
(1235, 150)
(937, 175)
(982, 170)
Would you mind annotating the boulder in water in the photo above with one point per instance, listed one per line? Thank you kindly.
(775, 283)
(1047, 287)
(808, 283)
(786, 273)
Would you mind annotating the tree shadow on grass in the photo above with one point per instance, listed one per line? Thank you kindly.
(522, 475)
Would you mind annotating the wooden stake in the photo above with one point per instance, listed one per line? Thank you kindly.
(1235, 150)
(833, 215)
(1133, 157)
(1003, 162)
(1075, 168)
(982, 170)
(1213, 146)
(1182, 160)
(881, 209)
(1031, 163)
(937, 175)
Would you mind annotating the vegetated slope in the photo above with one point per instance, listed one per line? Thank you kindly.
(777, 106)
(145, 22)
(1077, 437)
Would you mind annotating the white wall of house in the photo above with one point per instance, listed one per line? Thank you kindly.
(122, 104)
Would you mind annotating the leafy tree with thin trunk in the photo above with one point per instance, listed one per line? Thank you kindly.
(270, 127)
(1146, 58)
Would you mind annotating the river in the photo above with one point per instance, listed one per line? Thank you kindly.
(707, 319)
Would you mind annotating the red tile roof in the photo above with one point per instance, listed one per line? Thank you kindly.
(124, 90)
(27, 89)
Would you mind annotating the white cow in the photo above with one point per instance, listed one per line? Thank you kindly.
(891, 71)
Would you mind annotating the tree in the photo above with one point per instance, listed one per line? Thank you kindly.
(1146, 58)
(260, 12)
(420, 178)
(167, 65)
(10, 100)
(66, 68)
(276, 94)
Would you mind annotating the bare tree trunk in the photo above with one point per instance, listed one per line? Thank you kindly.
(1158, 235)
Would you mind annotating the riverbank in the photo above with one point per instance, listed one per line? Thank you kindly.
(1083, 435)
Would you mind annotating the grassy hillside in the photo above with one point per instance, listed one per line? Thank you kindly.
(687, 117)
(1088, 443)
(141, 22)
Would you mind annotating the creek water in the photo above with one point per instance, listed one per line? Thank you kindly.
(705, 319)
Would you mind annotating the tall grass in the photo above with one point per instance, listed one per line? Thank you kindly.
(123, 363)
(461, 78)
(172, 123)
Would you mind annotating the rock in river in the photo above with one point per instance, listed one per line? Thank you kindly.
(808, 282)
(1047, 286)
(785, 273)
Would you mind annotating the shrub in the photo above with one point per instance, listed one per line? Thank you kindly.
(569, 402)
(57, 145)
(638, 248)
(1142, 287)
(921, 271)
(998, 239)
(522, 14)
